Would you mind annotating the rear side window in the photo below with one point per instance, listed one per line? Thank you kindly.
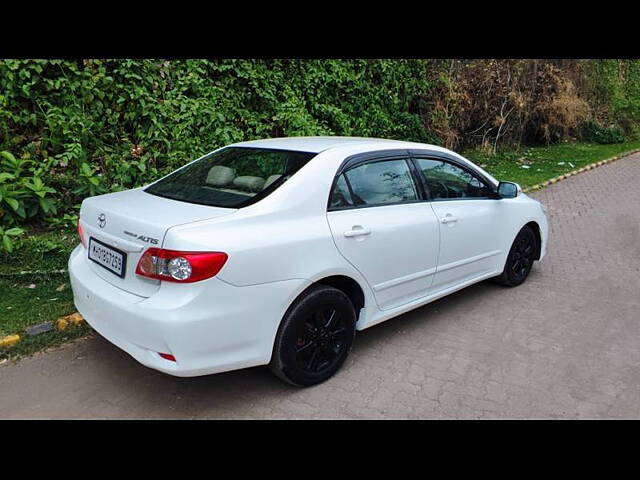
(380, 183)
(341, 196)
(232, 177)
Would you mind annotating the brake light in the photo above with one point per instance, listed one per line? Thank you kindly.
(81, 234)
(167, 356)
(177, 266)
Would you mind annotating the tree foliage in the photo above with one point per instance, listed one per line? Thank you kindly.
(71, 129)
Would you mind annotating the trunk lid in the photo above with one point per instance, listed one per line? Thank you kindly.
(132, 221)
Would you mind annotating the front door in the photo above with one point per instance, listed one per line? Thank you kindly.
(469, 219)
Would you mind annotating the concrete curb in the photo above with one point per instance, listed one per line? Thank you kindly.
(61, 324)
(591, 166)
(73, 319)
(9, 340)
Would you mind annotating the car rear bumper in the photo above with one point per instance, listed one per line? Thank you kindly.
(209, 326)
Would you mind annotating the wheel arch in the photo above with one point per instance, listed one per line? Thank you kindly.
(536, 230)
(349, 286)
(341, 281)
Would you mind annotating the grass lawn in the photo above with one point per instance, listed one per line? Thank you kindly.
(31, 299)
(532, 165)
(34, 298)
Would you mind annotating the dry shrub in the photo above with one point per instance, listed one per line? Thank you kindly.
(560, 113)
(486, 103)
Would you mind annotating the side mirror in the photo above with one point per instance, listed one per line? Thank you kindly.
(508, 190)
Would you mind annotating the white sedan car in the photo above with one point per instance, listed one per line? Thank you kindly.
(276, 251)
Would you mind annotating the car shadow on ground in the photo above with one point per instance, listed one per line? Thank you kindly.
(255, 390)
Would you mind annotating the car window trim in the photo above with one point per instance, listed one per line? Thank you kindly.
(363, 157)
(356, 207)
(333, 187)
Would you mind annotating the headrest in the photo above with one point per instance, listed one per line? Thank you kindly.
(271, 179)
(220, 176)
(252, 184)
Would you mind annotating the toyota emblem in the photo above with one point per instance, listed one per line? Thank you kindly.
(102, 220)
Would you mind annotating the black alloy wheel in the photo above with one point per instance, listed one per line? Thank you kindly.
(521, 256)
(315, 337)
(321, 341)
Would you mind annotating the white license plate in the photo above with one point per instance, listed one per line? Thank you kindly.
(108, 257)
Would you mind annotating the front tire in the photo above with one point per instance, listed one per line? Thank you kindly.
(520, 258)
(315, 337)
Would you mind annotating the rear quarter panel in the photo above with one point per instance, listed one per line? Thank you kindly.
(267, 248)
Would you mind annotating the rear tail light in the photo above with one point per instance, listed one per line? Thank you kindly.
(81, 234)
(182, 267)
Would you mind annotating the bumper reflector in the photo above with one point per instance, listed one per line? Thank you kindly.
(167, 356)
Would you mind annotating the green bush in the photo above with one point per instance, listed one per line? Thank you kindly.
(7, 238)
(613, 88)
(81, 128)
(71, 129)
(23, 194)
(595, 133)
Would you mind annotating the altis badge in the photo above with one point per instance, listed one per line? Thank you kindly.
(153, 241)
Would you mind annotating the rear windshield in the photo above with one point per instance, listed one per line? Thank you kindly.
(232, 177)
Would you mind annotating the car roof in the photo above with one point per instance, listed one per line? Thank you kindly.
(320, 144)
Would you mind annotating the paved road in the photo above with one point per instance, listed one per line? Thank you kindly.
(566, 344)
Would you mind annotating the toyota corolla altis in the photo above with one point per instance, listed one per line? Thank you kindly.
(277, 251)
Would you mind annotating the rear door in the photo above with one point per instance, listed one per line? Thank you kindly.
(382, 226)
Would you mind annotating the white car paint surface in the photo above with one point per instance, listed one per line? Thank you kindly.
(401, 254)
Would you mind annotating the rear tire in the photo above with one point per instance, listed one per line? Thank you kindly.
(314, 338)
(520, 259)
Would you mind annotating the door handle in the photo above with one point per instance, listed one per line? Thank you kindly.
(449, 219)
(357, 231)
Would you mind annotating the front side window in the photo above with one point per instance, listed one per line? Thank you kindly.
(446, 180)
(232, 177)
(377, 183)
